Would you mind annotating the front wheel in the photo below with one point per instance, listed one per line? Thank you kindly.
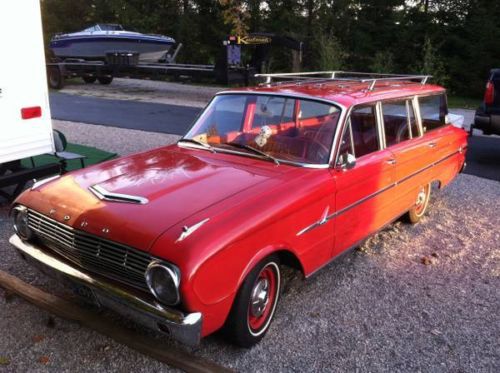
(421, 204)
(255, 303)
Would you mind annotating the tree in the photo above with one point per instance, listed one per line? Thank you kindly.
(432, 64)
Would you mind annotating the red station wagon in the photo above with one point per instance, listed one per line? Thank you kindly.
(190, 238)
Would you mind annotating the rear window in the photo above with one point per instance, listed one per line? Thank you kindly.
(433, 110)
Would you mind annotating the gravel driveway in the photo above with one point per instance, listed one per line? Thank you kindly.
(378, 309)
(146, 90)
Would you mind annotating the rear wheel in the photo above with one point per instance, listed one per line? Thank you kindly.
(255, 303)
(421, 204)
(55, 77)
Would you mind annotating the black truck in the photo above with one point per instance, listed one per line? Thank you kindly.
(487, 116)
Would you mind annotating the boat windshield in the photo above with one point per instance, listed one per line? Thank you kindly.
(285, 128)
(104, 27)
(110, 27)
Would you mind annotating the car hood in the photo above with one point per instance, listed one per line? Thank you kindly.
(176, 184)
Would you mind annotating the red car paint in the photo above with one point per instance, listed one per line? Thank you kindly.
(254, 206)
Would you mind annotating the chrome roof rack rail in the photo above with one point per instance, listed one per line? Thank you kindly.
(348, 76)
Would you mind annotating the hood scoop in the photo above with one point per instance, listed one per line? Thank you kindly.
(105, 195)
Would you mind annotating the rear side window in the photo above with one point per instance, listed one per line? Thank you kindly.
(433, 110)
(400, 123)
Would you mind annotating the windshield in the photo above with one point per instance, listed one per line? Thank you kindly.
(284, 128)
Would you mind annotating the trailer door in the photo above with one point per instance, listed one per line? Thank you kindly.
(25, 121)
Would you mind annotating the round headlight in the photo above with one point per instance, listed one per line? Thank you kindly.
(163, 281)
(20, 217)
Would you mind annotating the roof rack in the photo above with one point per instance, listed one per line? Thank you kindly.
(349, 76)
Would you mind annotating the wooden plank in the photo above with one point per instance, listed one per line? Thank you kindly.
(172, 356)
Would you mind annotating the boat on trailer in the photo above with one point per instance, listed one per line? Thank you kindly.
(95, 42)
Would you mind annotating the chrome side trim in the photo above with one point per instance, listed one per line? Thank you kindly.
(184, 327)
(324, 219)
(187, 231)
(327, 218)
(103, 194)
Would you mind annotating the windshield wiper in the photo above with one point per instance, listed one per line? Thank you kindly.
(254, 150)
(193, 141)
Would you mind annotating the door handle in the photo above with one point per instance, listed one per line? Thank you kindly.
(391, 161)
(432, 144)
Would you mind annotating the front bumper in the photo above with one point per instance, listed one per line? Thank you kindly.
(183, 327)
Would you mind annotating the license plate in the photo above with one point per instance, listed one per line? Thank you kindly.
(84, 292)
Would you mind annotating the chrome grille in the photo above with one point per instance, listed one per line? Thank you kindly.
(107, 258)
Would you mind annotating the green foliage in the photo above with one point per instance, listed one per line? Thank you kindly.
(454, 40)
(331, 55)
(432, 64)
(383, 63)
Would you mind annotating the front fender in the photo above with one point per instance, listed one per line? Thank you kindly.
(222, 275)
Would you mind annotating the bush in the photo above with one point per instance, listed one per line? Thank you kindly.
(331, 55)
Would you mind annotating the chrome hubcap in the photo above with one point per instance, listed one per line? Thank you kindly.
(421, 198)
(260, 298)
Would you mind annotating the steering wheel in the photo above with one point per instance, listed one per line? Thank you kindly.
(401, 131)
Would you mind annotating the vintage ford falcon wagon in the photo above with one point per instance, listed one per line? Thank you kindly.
(190, 238)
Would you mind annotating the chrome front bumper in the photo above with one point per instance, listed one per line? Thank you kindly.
(185, 328)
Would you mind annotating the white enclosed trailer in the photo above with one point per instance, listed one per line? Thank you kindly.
(25, 121)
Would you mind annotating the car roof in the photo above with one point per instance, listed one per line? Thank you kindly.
(346, 93)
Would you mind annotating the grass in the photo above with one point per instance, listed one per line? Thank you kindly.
(460, 102)
(93, 156)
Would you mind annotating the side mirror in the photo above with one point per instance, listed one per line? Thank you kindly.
(346, 161)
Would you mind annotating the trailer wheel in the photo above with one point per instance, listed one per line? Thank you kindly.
(89, 79)
(55, 77)
(105, 79)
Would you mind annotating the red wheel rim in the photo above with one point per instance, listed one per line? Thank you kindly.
(421, 202)
(262, 299)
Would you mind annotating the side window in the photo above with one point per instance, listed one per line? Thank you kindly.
(360, 137)
(364, 130)
(433, 110)
(396, 121)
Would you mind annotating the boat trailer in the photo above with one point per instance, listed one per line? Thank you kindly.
(229, 69)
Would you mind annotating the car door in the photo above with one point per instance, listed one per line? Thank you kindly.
(412, 151)
(440, 136)
(363, 188)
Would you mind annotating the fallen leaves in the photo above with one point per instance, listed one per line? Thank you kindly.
(4, 360)
(425, 260)
(44, 360)
(37, 338)
(429, 259)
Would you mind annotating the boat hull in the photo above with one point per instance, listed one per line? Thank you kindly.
(96, 48)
